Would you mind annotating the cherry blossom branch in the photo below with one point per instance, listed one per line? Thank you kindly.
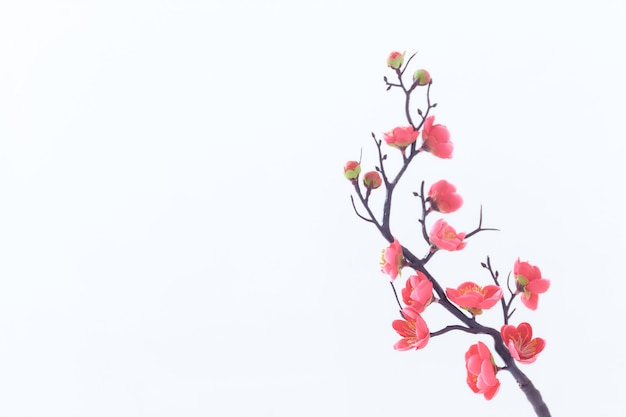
(407, 93)
(359, 214)
(532, 394)
(429, 106)
(505, 305)
(480, 227)
(407, 99)
(424, 213)
(435, 140)
(433, 248)
(389, 187)
(365, 204)
(406, 64)
(381, 160)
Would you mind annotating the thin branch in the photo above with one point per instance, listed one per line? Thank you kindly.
(508, 284)
(453, 327)
(359, 214)
(494, 276)
(425, 212)
(365, 204)
(381, 158)
(431, 251)
(408, 61)
(480, 227)
(395, 293)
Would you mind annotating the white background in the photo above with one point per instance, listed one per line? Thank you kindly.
(176, 236)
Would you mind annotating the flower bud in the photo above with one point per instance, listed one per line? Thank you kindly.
(421, 77)
(395, 60)
(372, 180)
(351, 170)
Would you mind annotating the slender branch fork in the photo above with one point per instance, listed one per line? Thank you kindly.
(469, 323)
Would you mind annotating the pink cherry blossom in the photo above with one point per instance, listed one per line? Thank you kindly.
(413, 329)
(481, 371)
(443, 236)
(436, 139)
(401, 137)
(443, 197)
(473, 297)
(520, 342)
(418, 292)
(392, 260)
(529, 283)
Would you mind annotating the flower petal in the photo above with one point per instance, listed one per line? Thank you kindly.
(538, 286)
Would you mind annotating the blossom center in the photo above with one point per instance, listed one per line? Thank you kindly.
(449, 234)
(472, 288)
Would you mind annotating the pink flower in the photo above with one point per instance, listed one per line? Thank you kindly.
(392, 260)
(444, 198)
(372, 180)
(351, 170)
(401, 137)
(530, 283)
(395, 60)
(481, 371)
(436, 139)
(418, 292)
(473, 297)
(445, 237)
(520, 342)
(413, 329)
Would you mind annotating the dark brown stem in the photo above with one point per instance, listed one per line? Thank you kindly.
(494, 276)
(395, 293)
(528, 388)
(425, 212)
(451, 328)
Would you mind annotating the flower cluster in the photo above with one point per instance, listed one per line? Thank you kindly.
(518, 339)
(435, 138)
(469, 300)
(481, 367)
